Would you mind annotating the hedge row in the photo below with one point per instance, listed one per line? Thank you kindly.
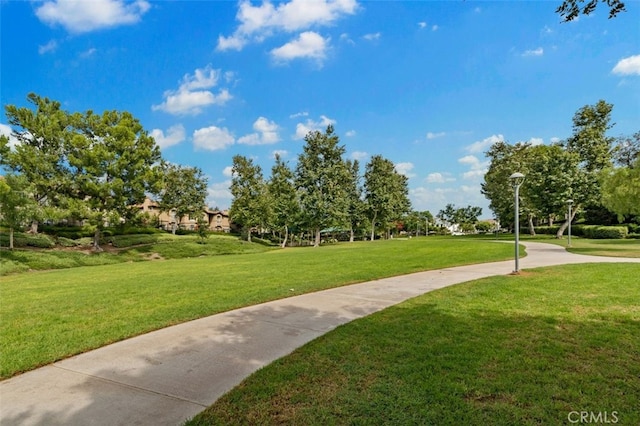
(587, 231)
(75, 232)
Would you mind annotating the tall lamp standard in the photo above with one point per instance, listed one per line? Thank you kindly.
(516, 181)
(569, 203)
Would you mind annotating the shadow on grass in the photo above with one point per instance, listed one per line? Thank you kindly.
(419, 365)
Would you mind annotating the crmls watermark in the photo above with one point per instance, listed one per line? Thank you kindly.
(593, 417)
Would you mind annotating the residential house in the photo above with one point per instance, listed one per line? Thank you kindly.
(217, 220)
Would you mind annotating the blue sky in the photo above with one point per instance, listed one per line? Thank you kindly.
(427, 84)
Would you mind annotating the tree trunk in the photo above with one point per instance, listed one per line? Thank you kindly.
(34, 227)
(565, 225)
(286, 236)
(532, 230)
(249, 234)
(351, 235)
(10, 238)
(317, 241)
(373, 227)
(96, 240)
(550, 220)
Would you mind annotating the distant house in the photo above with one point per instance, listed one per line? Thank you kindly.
(217, 220)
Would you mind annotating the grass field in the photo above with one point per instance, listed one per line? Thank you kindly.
(50, 315)
(532, 349)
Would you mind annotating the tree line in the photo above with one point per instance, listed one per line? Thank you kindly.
(598, 173)
(323, 192)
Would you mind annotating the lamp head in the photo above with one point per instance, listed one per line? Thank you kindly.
(516, 179)
(569, 201)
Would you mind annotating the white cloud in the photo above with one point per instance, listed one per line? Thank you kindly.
(350, 133)
(534, 52)
(478, 168)
(555, 140)
(422, 24)
(219, 195)
(481, 146)
(299, 114)
(439, 178)
(435, 28)
(372, 36)
(628, 66)
(536, 141)
(175, 135)
(359, 155)
(81, 16)
(228, 171)
(308, 45)
(266, 133)
(212, 138)
(281, 152)
(302, 129)
(431, 135)
(260, 22)
(405, 169)
(191, 97)
(5, 130)
(51, 46)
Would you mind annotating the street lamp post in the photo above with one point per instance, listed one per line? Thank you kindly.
(569, 203)
(516, 181)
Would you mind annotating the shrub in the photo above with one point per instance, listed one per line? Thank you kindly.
(132, 240)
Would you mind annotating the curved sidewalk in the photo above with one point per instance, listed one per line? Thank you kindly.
(167, 376)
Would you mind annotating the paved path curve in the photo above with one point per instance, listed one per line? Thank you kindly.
(167, 376)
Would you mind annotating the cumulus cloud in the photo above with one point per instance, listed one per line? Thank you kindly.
(281, 152)
(422, 24)
(212, 138)
(302, 129)
(439, 177)
(405, 169)
(219, 194)
(533, 52)
(350, 133)
(536, 141)
(191, 96)
(478, 168)
(259, 22)
(309, 44)
(81, 16)
(628, 66)
(266, 133)
(175, 135)
(481, 146)
(228, 171)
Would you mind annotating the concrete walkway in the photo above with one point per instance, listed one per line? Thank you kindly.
(168, 376)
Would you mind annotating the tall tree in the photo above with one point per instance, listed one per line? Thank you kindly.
(42, 132)
(386, 193)
(284, 198)
(250, 205)
(17, 206)
(320, 175)
(551, 173)
(626, 151)
(183, 191)
(505, 159)
(356, 206)
(621, 190)
(593, 148)
(114, 162)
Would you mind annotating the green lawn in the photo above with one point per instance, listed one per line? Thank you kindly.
(50, 315)
(506, 350)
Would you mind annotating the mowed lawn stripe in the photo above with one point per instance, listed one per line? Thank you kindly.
(50, 315)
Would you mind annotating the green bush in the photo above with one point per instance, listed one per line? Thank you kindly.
(27, 240)
(132, 240)
(71, 232)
